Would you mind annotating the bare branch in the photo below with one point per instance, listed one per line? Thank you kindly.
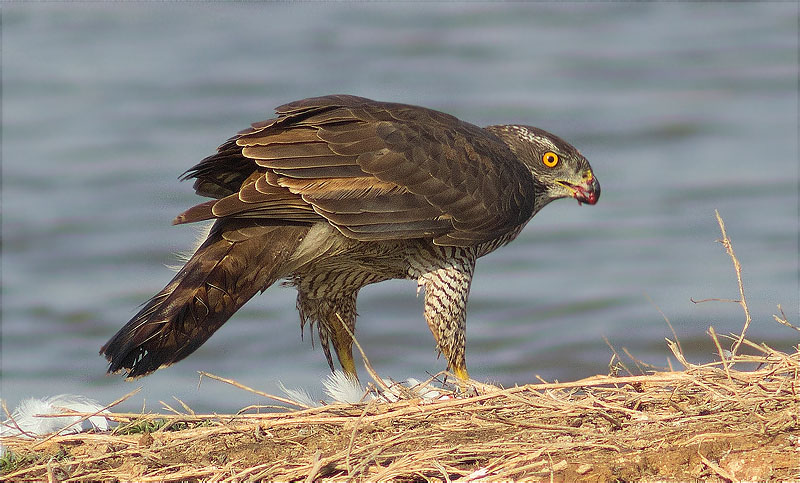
(783, 320)
(726, 242)
(254, 391)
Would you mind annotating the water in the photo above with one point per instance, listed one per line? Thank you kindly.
(681, 108)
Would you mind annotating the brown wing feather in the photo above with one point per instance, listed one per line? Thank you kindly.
(374, 170)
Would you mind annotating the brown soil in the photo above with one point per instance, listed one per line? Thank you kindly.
(709, 422)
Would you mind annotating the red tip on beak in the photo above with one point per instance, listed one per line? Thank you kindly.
(588, 192)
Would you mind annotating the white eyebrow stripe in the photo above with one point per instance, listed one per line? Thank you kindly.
(527, 135)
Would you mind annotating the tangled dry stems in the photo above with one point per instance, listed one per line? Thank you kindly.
(732, 419)
(704, 421)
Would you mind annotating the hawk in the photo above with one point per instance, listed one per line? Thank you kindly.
(338, 192)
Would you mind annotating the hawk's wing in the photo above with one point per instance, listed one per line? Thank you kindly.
(374, 170)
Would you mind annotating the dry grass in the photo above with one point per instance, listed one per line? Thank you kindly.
(737, 418)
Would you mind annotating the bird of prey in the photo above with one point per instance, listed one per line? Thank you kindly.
(338, 192)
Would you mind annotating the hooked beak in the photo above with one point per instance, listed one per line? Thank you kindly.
(586, 192)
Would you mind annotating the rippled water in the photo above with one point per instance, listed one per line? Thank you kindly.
(681, 108)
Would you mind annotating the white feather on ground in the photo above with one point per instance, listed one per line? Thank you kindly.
(339, 388)
(416, 387)
(25, 421)
(299, 395)
(342, 389)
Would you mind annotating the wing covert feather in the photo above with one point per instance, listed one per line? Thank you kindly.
(374, 170)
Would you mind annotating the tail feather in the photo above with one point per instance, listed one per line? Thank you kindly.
(238, 259)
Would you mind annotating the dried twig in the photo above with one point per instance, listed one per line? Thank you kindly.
(722, 473)
(315, 467)
(666, 319)
(373, 374)
(726, 242)
(614, 351)
(254, 391)
(783, 319)
(720, 351)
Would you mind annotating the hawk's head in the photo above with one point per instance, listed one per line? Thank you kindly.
(556, 165)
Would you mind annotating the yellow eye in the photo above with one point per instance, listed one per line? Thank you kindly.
(550, 159)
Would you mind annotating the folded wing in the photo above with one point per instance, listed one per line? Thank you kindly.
(374, 170)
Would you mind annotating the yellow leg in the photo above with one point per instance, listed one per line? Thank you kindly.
(461, 373)
(345, 356)
(343, 345)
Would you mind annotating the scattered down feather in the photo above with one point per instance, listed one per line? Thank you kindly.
(26, 420)
(341, 389)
